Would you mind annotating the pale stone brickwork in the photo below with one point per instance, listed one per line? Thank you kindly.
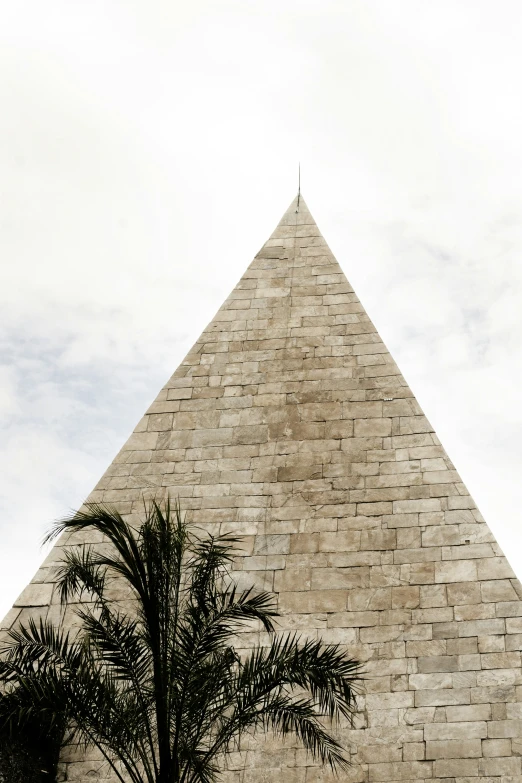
(290, 424)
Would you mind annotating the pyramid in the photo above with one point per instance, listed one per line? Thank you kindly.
(289, 424)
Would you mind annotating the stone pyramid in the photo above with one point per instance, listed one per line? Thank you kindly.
(290, 424)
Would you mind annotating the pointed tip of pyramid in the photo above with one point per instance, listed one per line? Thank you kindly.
(297, 212)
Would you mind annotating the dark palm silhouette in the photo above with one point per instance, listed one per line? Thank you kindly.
(153, 680)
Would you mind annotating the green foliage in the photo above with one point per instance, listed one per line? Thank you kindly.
(154, 681)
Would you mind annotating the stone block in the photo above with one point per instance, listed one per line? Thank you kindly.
(454, 749)
(494, 568)
(313, 601)
(390, 701)
(438, 663)
(366, 428)
(500, 729)
(405, 597)
(413, 751)
(455, 768)
(269, 774)
(491, 678)
(378, 539)
(422, 574)
(9, 620)
(481, 627)
(272, 545)
(35, 595)
(501, 660)
(247, 435)
(496, 747)
(374, 509)
(159, 422)
(419, 716)
(456, 571)
(433, 595)
(498, 590)
(474, 612)
(465, 646)
(416, 506)
(304, 543)
(505, 767)
(463, 593)
(408, 538)
(430, 681)
(438, 615)
(374, 754)
(477, 712)
(508, 608)
(513, 625)
(339, 429)
(141, 441)
(320, 411)
(441, 697)
(292, 579)
(345, 541)
(514, 710)
(469, 662)
(362, 410)
(444, 535)
(339, 578)
(363, 600)
(456, 731)
(434, 647)
(405, 770)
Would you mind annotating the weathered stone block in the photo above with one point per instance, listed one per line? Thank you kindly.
(438, 663)
(458, 571)
(454, 749)
(505, 728)
(494, 568)
(313, 601)
(405, 597)
(365, 428)
(406, 770)
(496, 747)
(456, 731)
(442, 697)
(35, 595)
(506, 767)
(455, 768)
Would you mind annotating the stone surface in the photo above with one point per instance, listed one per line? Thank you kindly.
(289, 423)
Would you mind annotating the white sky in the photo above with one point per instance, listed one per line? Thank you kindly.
(147, 150)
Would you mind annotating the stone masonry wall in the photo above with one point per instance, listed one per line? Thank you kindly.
(289, 424)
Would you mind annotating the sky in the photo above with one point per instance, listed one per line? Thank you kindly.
(148, 149)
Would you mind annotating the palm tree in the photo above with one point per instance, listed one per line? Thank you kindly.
(153, 681)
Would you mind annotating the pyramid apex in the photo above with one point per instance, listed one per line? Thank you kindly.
(297, 213)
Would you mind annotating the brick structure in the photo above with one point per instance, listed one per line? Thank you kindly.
(290, 424)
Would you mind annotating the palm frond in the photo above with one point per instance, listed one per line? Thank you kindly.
(286, 716)
(118, 645)
(81, 570)
(324, 670)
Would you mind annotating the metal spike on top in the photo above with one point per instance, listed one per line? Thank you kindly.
(299, 188)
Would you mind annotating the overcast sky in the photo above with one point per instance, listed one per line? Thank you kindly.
(147, 150)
